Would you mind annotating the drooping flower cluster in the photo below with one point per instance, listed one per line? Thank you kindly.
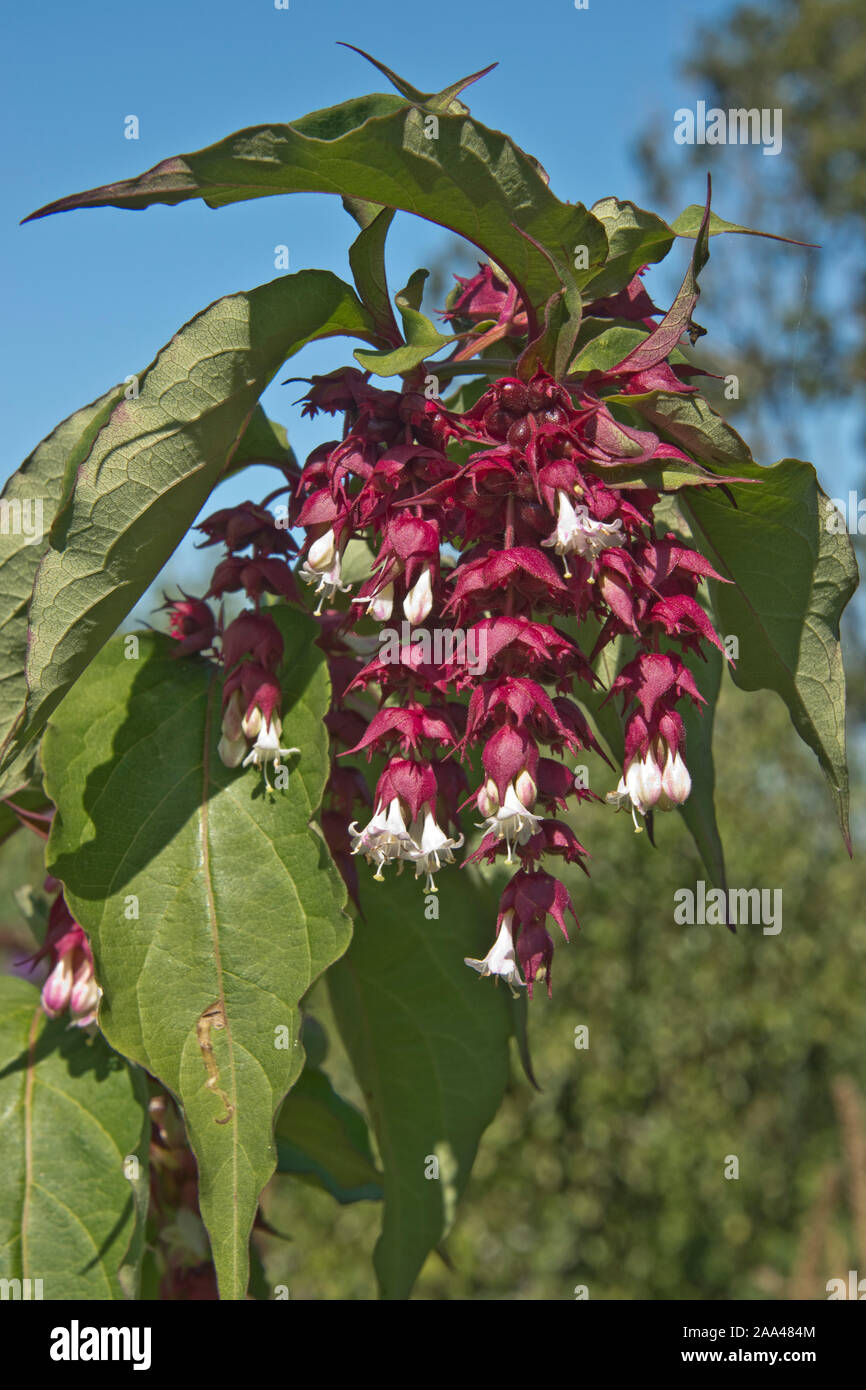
(251, 646)
(486, 558)
(493, 537)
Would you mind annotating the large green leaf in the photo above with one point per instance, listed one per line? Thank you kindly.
(429, 1043)
(447, 168)
(793, 575)
(322, 1139)
(699, 811)
(238, 905)
(37, 485)
(154, 463)
(74, 1137)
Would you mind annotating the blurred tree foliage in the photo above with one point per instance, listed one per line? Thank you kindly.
(797, 317)
(702, 1044)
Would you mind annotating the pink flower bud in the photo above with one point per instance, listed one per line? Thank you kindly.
(58, 987)
(526, 789)
(84, 995)
(487, 800)
(252, 722)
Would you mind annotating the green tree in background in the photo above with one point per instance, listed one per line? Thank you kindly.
(799, 323)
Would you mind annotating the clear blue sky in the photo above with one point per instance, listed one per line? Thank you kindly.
(91, 296)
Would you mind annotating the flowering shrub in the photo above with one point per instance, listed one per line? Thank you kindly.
(530, 549)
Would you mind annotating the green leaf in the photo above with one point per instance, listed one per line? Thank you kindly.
(323, 1139)
(27, 799)
(691, 422)
(635, 238)
(465, 396)
(689, 222)
(74, 1140)
(608, 348)
(153, 465)
(662, 340)
(602, 344)
(603, 712)
(793, 575)
(662, 475)
(367, 259)
(359, 558)
(435, 101)
(198, 889)
(263, 441)
(429, 1043)
(699, 811)
(474, 180)
(422, 337)
(37, 485)
(554, 347)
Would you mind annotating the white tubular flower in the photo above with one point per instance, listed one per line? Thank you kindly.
(676, 782)
(578, 533)
(434, 848)
(500, 959)
(323, 567)
(381, 605)
(644, 782)
(232, 750)
(647, 784)
(328, 582)
(384, 838)
(233, 744)
(266, 748)
(419, 600)
(512, 822)
(233, 717)
(322, 553)
(620, 799)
